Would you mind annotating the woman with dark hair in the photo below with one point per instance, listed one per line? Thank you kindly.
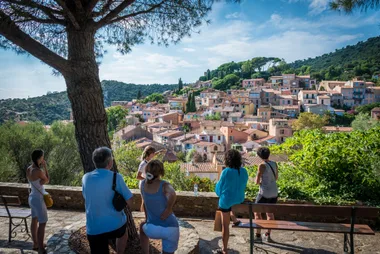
(37, 175)
(266, 177)
(230, 190)
(159, 198)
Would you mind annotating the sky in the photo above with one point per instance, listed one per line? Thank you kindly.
(289, 29)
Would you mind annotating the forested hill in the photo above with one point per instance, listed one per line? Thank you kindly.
(56, 105)
(362, 59)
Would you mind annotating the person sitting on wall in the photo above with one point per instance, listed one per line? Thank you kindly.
(230, 190)
(159, 198)
(103, 222)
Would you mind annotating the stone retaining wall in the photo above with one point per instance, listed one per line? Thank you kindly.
(187, 205)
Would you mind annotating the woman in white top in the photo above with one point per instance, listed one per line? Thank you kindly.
(147, 155)
(37, 177)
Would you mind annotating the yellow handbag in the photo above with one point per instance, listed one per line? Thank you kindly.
(47, 197)
(48, 200)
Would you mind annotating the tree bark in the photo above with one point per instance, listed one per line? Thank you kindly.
(86, 96)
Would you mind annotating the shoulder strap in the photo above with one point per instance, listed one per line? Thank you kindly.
(274, 174)
(36, 187)
(114, 181)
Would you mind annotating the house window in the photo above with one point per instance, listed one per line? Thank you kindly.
(231, 138)
(215, 148)
(218, 137)
(289, 102)
(282, 132)
(214, 128)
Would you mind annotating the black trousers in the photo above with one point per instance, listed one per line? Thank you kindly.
(99, 243)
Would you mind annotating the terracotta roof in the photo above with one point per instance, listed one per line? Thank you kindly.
(184, 137)
(375, 109)
(212, 132)
(204, 143)
(190, 141)
(264, 139)
(323, 97)
(199, 167)
(171, 133)
(309, 91)
(337, 129)
(169, 156)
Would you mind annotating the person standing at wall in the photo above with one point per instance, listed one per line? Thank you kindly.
(231, 191)
(267, 176)
(37, 175)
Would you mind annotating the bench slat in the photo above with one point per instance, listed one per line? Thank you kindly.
(10, 200)
(343, 211)
(307, 226)
(15, 213)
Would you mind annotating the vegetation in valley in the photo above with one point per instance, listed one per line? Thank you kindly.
(56, 106)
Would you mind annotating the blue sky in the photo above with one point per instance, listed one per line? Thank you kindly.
(289, 29)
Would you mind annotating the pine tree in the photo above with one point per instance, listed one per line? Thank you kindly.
(139, 95)
(180, 84)
(192, 103)
(188, 104)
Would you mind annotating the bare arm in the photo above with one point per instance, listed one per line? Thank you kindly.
(139, 176)
(44, 176)
(260, 173)
(172, 196)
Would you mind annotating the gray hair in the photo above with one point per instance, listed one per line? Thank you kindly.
(101, 157)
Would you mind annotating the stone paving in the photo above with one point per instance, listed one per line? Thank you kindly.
(62, 221)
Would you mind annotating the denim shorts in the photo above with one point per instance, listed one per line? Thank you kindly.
(169, 236)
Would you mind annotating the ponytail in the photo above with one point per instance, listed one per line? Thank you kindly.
(36, 155)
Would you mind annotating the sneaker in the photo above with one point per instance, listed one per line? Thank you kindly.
(267, 237)
(258, 239)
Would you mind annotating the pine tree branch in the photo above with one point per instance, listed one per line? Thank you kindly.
(30, 17)
(113, 14)
(69, 14)
(91, 6)
(153, 7)
(13, 33)
(48, 11)
(103, 10)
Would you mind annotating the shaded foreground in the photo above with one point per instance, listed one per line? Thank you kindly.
(285, 241)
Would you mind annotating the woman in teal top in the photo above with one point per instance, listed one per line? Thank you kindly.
(230, 190)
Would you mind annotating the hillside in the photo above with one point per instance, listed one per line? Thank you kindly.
(362, 59)
(56, 106)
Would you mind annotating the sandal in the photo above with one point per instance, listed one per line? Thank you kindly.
(36, 248)
(237, 223)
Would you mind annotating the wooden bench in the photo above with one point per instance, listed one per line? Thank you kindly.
(14, 213)
(350, 229)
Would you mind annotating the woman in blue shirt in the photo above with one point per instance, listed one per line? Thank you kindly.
(230, 190)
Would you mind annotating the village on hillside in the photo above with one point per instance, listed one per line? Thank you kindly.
(259, 113)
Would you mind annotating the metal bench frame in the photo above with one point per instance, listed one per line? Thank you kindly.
(12, 225)
(348, 245)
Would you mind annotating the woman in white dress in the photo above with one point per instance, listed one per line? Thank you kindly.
(37, 176)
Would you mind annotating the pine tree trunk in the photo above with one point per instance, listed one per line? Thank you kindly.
(86, 97)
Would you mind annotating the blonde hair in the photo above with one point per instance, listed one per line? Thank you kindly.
(148, 151)
(156, 169)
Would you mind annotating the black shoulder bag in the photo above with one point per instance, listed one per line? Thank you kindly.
(118, 200)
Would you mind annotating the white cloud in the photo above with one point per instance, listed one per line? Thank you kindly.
(234, 15)
(188, 49)
(318, 6)
(143, 67)
(290, 45)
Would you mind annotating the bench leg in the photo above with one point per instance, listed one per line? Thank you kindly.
(345, 243)
(10, 230)
(352, 247)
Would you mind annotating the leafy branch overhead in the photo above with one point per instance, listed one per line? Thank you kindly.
(42, 27)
